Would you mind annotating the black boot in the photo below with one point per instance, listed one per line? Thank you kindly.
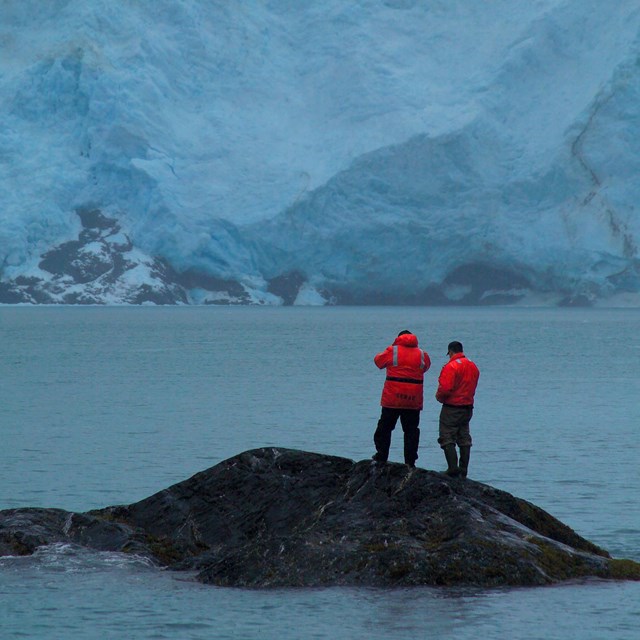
(451, 455)
(465, 453)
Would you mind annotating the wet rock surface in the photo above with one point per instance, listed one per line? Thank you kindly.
(280, 517)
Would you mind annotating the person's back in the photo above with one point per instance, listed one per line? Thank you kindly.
(458, 381)
(456, 391)
(406, 364)
(402, 395)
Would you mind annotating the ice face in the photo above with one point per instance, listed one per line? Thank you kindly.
(392, 148)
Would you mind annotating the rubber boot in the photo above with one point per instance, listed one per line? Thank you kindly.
(465, 453)
(451, 455)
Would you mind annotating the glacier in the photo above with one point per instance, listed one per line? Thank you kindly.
(277, 152)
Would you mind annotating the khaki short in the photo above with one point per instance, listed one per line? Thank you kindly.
(454, 426)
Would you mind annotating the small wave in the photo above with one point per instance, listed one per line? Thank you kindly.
(69, 558)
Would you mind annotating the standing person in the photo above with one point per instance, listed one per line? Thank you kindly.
(406, 364)
(456, 389)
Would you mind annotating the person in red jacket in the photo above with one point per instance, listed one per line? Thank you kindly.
(406, 364)
(456, 390)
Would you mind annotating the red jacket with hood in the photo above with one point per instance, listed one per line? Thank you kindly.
(458, 381)
(406, 364)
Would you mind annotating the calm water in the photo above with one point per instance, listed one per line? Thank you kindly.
(105, 406)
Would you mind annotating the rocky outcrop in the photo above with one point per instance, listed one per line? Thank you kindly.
(102, 266)
(280, 517)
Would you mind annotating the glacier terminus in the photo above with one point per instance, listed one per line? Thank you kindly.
(279, 152)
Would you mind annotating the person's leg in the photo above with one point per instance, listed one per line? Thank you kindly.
(465, 454)
(410, 419)
(451, 456)
(448, 428)
(382, 435)
(464, 441)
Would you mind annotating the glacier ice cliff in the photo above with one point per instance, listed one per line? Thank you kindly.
(380, 151)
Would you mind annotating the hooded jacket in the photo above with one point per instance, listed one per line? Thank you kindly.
(406, 364)
(458, 381)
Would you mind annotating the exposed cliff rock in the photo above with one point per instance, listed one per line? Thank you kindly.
(102, 266)
(280, 517)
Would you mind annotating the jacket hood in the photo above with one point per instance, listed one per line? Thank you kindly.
(406, 340)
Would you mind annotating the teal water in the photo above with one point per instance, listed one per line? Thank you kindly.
(105, 406)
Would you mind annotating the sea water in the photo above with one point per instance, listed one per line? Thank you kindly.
(104, 406)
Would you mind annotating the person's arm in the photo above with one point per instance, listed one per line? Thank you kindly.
(384, 359)
(445, 383)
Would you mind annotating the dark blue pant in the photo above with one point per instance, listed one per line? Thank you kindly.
(409, 419)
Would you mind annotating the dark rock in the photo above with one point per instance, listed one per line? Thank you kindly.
(280, 517)
(10, 294)
(192, 279)
(68, 259)
(486, 284)
(95, 219)
(22, 531)
(287, 286)
(103, 266)
(470, 284)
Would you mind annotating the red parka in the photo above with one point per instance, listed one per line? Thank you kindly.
(458, 381)
(405, 363)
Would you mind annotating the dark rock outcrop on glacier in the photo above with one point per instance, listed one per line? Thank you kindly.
(102, 266)
(280, 517)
